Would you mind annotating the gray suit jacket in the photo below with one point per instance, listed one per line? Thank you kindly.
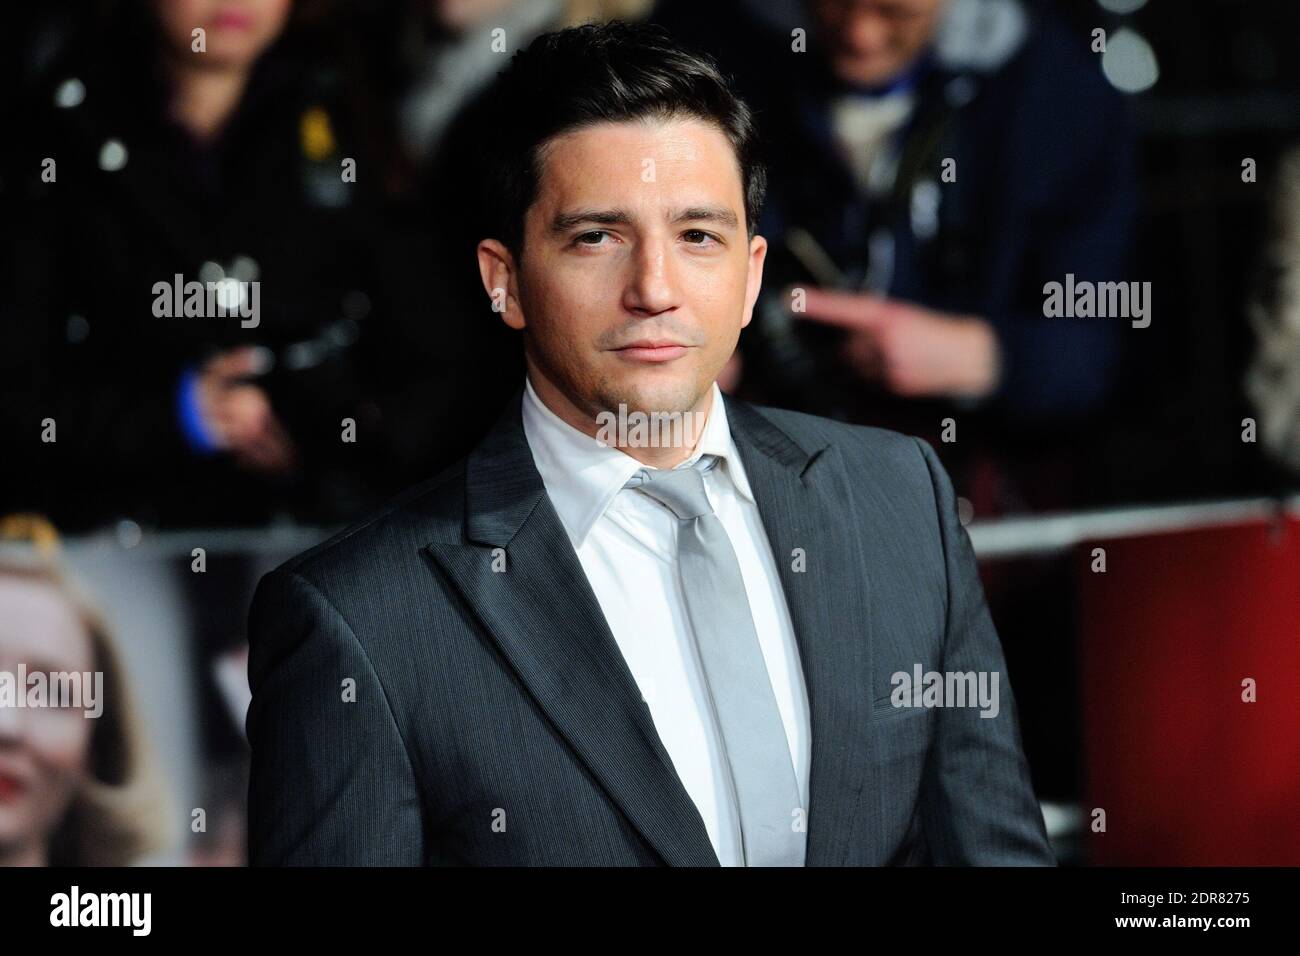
(412, 705)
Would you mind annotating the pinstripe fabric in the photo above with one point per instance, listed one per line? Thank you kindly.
(437, 685)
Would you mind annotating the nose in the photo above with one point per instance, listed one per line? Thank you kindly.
(866, 32)
(651, 287)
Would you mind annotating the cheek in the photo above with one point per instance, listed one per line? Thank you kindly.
(594, 281)
(910, 40)
(179, 19)
(272, 17)
(59, 741)
(58, 744)
(716, 294)
(572, 302)
(186, 13)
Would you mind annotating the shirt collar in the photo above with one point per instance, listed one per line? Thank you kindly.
(582, 477)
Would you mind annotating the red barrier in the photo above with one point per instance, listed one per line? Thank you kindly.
(1185, 770)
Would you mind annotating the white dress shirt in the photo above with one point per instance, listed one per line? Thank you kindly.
(627, 545)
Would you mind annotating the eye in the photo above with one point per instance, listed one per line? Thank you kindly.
(592, 238)
(698, 237)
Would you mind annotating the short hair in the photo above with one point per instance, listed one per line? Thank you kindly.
(597, 73)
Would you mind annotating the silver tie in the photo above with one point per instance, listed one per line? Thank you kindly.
(754, 739)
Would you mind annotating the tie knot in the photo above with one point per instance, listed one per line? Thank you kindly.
(681, 490)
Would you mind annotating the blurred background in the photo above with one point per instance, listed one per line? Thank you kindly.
(1128, 459)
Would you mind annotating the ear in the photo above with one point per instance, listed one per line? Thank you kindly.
(754, 279)
(496, 267)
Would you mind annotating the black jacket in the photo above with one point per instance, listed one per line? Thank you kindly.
(478, 696)
(349, 297)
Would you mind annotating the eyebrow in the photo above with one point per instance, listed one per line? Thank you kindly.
(719, 215)
(564, 221)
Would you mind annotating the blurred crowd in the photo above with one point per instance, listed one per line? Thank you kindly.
(934, 166)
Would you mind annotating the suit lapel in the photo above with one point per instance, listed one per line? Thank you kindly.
(547, 622)
(803, 500)
(545, 618)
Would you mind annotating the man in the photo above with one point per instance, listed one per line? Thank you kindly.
(579, 647)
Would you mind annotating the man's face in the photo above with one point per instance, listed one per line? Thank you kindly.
(637, 273)
(872, 41)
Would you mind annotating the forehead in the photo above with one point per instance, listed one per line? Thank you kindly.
(37, 623)
(647, 160)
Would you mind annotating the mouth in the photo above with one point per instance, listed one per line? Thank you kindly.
(10, 787)
(649, 350)
(231, 20)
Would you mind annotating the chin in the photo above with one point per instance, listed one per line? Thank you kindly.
(877, 74)
(678, 395)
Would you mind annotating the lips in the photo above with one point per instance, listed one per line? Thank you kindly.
(10, 787)
(649, 350)
(231, 21)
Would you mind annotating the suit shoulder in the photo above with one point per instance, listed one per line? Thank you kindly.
(880, 446)
(400, 528)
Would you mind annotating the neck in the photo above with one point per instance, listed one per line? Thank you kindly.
(24, 854)
(204, 98)
(665, 455)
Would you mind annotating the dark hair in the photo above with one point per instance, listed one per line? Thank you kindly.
(596, 73)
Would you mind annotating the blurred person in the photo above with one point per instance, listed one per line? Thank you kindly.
(569, 649)
(453, 48)
(75, 790)
(199, 141)
(1273, 378)
(935, 164)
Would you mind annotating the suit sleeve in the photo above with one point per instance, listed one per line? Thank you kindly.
(331, 782)
(977, 802)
